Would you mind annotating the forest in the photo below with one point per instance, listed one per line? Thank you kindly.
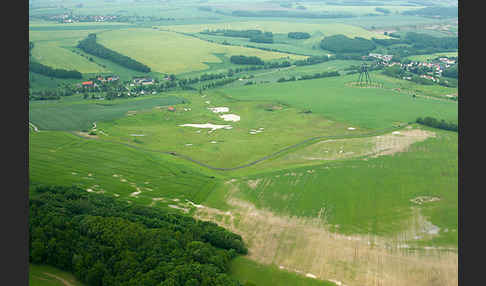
(103, 241)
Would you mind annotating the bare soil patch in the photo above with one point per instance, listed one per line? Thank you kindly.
(306, 245)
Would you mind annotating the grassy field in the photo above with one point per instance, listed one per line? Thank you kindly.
(169, 52)
(336, 100)
(44, 275)
(76, 113)
(246, 270)
(273, 130)
(148, 178)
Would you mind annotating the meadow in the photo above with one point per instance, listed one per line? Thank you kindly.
(168, 52)
(75, 113)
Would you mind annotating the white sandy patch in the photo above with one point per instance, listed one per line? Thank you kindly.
(137, 134)
(179, 208)
(351, 128)
(310, 275)
(135, 193)
(208, 102)
(195, 205)
(214, 142)
(89, 190)
(189, 144)
(219, 109)
(396, 132)
(230, 117)
(208, 125)
(116, 195)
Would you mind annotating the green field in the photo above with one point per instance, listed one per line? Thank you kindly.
(246, 270)
(76, 113)
(336, 100)
(44, 275)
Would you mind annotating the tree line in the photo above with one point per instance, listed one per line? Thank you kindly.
(253, 35)
(298, 35)
(440, 124)
(310, 76)
(104, 241)
(90, 46)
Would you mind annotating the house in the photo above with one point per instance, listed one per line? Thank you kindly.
(171, 108)
(87, 83)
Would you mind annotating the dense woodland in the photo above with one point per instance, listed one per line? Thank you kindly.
(343, 44)
(299, 35)
(103, 241)
(256, 36)
(90, 46)
(244, 60)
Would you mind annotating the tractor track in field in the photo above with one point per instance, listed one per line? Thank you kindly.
(275, 154)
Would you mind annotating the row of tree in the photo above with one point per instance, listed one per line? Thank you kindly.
(90, 46)
(53, 72)
(104, 241)
(310, 76)
(244, 60)
(440, 124)
(253, 35)
(298, 35)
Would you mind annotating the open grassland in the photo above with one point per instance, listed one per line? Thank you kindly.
(327, 29)
(245, 270)
(75, 113)
(336, 99)
(263, 128)
(149, 178)
(44, 275)
(169, 52)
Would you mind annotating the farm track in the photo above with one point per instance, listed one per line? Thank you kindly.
(294, 146)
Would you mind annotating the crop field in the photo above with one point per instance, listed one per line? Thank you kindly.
(277, 27)
(364, 107)
(169, 52)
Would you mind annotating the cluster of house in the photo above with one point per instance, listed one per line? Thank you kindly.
(69, 18)
(385, 58)
(143, 80)
(437, 66)
(99, 80)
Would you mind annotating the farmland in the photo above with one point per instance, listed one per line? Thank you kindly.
(327, 182)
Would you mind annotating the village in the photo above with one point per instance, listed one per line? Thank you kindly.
(432, 69)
